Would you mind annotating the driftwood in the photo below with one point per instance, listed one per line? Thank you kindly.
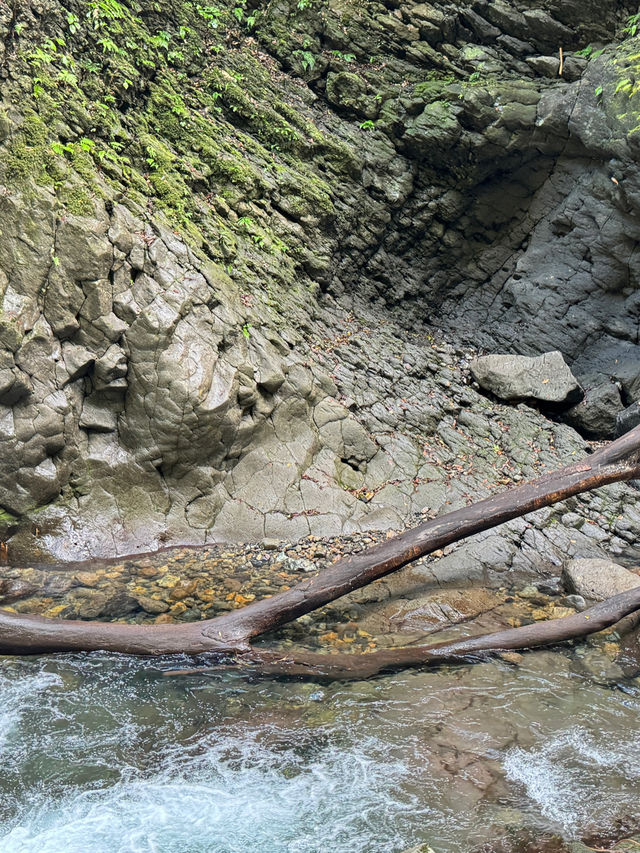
(352, 666)
(231, 632)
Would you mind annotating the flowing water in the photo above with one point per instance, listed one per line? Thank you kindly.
(102, 754)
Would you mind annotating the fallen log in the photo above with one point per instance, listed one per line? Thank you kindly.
(361, 666)
(231, 632)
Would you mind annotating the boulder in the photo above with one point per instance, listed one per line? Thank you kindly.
(628, 419)
(596, 415)
(597, 579)
(546, 378)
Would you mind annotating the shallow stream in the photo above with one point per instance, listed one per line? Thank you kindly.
(102, 754)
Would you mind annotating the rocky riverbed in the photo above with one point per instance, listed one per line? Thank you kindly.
(180, 585)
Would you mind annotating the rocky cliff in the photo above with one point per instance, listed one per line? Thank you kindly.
(246, 251)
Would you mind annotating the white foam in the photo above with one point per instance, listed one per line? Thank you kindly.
(258, 800)
(562, 774)
(20, 693)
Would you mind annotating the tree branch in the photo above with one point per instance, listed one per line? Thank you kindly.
(23, 634)
(361, 666)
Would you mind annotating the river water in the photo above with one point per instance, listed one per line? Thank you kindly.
(102, 754)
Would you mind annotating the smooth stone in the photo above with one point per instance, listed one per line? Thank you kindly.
(598, 579)
(518, 377)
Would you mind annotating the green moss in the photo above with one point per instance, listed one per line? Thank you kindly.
(77, 201)
(145, 104)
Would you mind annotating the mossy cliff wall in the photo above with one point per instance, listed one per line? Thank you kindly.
(187, 189)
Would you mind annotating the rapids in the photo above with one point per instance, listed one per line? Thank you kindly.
(102, 754)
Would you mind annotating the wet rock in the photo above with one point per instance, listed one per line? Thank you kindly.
(15, 589)
(152, 605)
(546, 378)
(598, 579)
(576, 601)
(423, 612)
(291, 564)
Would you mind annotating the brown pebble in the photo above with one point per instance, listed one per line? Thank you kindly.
(511, 657)
(147, 572)
(88, 578)
(183, 590)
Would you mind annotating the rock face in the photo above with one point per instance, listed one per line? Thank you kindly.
(546, 378)
(211, 243)
(598, 579)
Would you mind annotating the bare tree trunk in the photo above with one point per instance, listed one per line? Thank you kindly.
(231, 632)
(349, 666)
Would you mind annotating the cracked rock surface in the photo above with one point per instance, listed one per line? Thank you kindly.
(240, 290)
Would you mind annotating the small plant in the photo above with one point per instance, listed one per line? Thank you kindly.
(68, 77)
(277, 246)
(589, 53)
(307, 59)
(344, 57)
(60, 149)
(210, 14)
(304, 4)
(246, 330)
(633, 23)
(367, 125)
(74, 23)
(161, 39)
(99, 10)
(245, 222)
(108, 45)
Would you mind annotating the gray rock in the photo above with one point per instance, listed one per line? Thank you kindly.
(596, 415)
(78, 360)
(218, 429)
(575, 601)
(14, 385)
(546, 378)
(545, 65)
(597, 579)
(96, 417)
(628, 419)
(437, 127)
(292, 564)
(111, 367)
(349, 91)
